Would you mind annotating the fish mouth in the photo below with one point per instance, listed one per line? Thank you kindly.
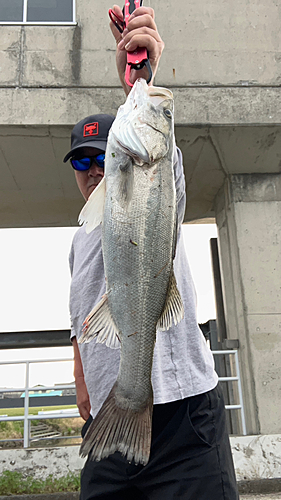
(159, 94)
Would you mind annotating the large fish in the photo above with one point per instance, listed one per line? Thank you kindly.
(136, 202)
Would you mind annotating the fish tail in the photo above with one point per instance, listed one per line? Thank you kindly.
(117, 429)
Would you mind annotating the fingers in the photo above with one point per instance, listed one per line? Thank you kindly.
(117, 35)
(141, 31)
(84, 410)
(141, 23)
(142, 10)
(118, 10)
(143, 37)
(82, 397)
(139, 20)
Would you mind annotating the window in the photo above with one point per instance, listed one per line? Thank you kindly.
(11, 10)
(37, 11)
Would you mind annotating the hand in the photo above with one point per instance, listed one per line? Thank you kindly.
(141, 31)
(82, 398)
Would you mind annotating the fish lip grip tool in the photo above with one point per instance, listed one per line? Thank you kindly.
(139, 58)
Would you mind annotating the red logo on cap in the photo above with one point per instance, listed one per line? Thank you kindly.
(91, 129)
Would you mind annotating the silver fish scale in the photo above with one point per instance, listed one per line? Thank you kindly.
(137, 247)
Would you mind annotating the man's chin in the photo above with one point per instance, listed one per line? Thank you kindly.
(91, 189)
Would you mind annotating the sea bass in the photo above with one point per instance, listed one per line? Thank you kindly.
(136, 202)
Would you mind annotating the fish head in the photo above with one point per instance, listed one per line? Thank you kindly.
(144, 124)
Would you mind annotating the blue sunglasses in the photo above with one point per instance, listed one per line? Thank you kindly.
(86, 163)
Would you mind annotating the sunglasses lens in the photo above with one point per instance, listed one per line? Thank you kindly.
(83, 164)
(86, 163)
(100, 160)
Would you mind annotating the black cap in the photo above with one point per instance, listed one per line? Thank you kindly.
(92, 131)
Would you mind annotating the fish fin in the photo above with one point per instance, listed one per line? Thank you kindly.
(92, 212)
(173, 310)
(116, 429)
(100, 325)
(126, 184)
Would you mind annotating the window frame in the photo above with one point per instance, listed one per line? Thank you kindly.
(24, 22)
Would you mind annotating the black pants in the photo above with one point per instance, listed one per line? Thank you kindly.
(190, 458)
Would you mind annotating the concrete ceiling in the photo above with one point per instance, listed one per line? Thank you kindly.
(37, 189)
(212, 153)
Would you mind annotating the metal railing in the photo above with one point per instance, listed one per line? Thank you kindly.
(26, 418)
(237, 378)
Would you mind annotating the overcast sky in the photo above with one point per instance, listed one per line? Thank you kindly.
(34, 292)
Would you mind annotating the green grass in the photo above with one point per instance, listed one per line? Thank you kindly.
(11, 430)
(15, 483)
(17, 412)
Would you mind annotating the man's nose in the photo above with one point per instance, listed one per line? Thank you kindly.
(95, 170)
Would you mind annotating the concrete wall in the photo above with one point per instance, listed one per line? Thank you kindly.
(248, 217)
(214, 51)
(220, 42)
(255, 457)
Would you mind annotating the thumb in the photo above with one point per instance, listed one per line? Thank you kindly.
(116, 33)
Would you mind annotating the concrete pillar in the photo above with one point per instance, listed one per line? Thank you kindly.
(248, 213)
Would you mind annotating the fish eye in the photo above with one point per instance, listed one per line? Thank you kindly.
(168, 113)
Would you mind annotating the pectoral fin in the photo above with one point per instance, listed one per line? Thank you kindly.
(92, 212)
(100, 325)
(173, 311)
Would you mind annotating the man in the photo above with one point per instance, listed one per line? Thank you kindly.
(190, 454)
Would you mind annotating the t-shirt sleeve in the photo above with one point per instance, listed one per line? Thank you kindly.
(72, 332)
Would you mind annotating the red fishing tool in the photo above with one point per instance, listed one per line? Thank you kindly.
(139, 58)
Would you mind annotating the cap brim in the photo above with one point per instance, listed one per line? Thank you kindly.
(89, 144)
